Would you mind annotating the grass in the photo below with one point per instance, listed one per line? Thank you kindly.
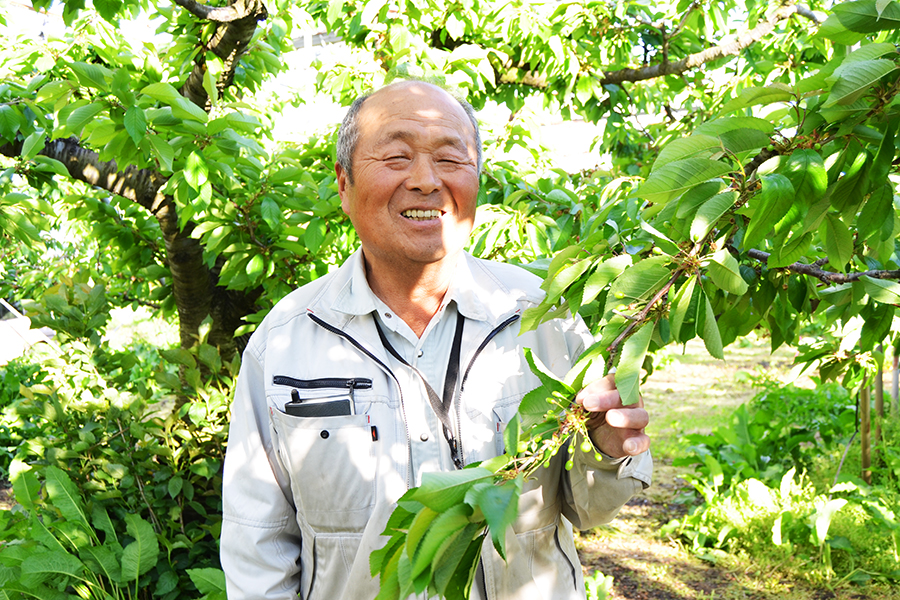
(690, 392)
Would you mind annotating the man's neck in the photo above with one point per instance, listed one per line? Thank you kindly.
(415, 294)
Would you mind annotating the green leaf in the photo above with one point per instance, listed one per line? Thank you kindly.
(559, 282)
(838, 241)
(255, 267)
(710, 212)
(10, 121)
(718, 127)
(163, 151)
(856, 81)
(418, 529)
(26, 487)
(196, 171)
(33, 144)
(806, 171)
(726, 272)
(712, 339)
(102, 560)
(743, 140)
(142, 554)
(511, 435)
(878, 208)
(695, 197)
(65, 496)
(824, 515)
(678, 311)
(162, 92)
(777, 92)
(135, 124)
(584, 89)
(638, 282)
(208, 580)
(92, 75)
(441, 490)
(183, 108)
(605, 272)
(835, 31)
(315, 235)
(867, 52)
(53, 562)
(770, 206)
(451, 554)
(877, 319)
(448, 523)
(335, 10)
(80, 117)
(551, 382)
(102, 522)
(884, 159)
(785, 254)
(863, 16)
(663, 243)
(631, 359)
(500, 505)
(675, 178)
(881, 290)
(687, 147)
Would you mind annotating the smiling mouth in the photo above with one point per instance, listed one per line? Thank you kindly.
(422, 215)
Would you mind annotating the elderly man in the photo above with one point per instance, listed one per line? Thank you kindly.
(406, 360)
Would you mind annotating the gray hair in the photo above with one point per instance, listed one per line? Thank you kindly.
(348, 134)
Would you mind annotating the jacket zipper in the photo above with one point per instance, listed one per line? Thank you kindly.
(359, 383)
(385, 368)
(462, 385)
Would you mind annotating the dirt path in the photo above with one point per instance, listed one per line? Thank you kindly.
(692, 393)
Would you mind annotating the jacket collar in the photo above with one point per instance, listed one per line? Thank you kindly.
(479, 294)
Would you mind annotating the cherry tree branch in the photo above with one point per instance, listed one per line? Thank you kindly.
(689, 62)
(698, 59)
(815, 270)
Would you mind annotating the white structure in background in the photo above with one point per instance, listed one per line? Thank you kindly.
(16, 335)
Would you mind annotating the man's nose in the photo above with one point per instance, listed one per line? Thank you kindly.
(423, 176)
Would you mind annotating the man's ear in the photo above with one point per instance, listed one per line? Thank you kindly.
(344, 185)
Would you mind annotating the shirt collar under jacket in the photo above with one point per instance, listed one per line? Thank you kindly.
(357, 298)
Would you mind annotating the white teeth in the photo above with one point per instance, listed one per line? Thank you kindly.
(422, 214)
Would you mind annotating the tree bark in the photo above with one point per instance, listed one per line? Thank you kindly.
(865, 437)
(237, 23)
(815, 270)
(194, 286)
(689, 62)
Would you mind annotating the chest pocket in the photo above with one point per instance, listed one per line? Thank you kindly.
(332, 459)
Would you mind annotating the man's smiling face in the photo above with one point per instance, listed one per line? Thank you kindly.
(415, 177)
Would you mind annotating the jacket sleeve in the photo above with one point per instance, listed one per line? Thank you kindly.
(594, 491)
(260, 541)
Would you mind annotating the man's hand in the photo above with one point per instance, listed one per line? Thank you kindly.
(615, 429)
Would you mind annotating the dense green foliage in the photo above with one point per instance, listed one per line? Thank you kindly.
(746, 180)
(101, 461)
(773, 482)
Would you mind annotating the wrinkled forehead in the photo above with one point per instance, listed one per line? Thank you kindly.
(414, 104)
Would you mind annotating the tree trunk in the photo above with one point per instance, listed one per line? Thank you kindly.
(895, 385)
(195, 288)
(865, 437)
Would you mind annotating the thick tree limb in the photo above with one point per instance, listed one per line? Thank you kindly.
(700, 58)
(692, 61)
(237, 23)
(193, 284)
(815, 270)
(220, 14)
